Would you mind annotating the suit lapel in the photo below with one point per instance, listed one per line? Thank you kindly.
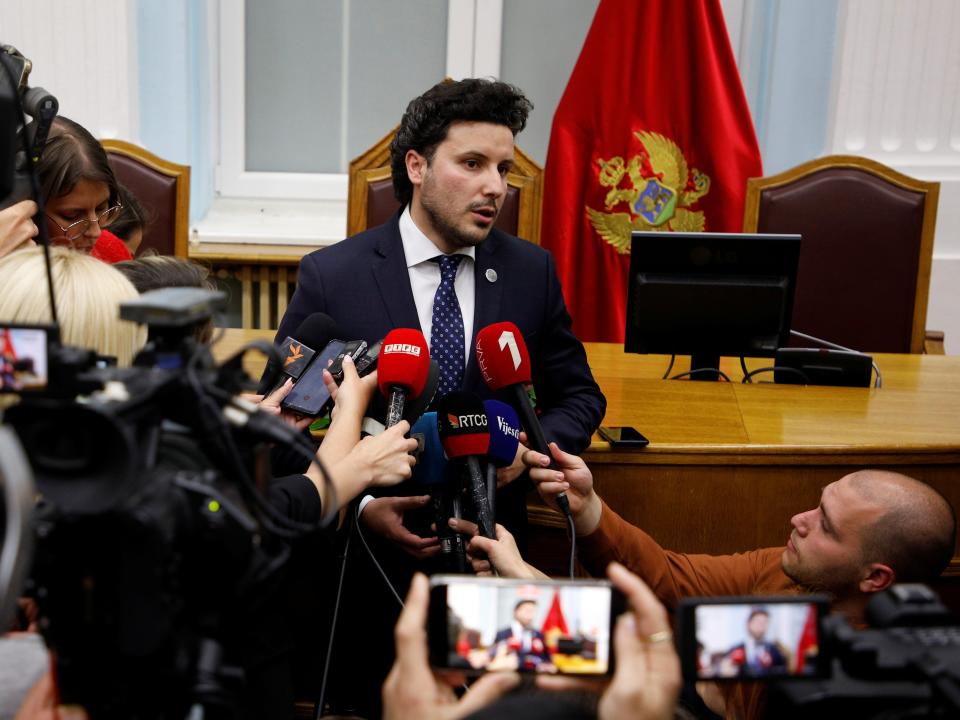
(393, 280)
(488, 292)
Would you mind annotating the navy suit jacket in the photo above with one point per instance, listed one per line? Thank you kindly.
(363, 284)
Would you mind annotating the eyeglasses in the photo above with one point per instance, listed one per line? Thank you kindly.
(75, 230)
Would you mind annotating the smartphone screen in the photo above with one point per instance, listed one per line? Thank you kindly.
(310, 394)
(752, 638)
(487, 624)
(24, 357)
(623, 435)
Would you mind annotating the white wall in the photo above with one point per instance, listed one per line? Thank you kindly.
(82, 52)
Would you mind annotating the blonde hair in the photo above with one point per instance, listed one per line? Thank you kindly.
(88, 295)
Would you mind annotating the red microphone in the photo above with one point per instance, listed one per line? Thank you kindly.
(505, 363)
(402, 369)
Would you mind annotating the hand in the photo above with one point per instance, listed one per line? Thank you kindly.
(503, 659)
(412, 690)
(502, 552)
(571, 476)
(385, 457)
(352, 396)
(41, 704)
(271, 405)
(384, 516)
(507, 475)
(646, 682)
(17, 228)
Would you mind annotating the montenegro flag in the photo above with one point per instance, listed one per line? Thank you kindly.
(554, 625)
(653, 132)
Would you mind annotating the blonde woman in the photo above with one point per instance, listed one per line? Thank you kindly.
(88, 295)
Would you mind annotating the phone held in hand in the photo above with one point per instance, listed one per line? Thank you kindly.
(310, 394)
(752, 638)
(622, 436)
(480, 624)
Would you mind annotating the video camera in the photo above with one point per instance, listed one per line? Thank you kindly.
(154, 543)
(21, 141)
(906, 664)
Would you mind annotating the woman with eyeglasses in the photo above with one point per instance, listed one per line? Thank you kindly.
(81, 191)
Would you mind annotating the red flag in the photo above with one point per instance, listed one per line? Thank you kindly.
(808, 646)
(652, 133)
(554, 624)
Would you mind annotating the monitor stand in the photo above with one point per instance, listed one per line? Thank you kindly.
(706, 364)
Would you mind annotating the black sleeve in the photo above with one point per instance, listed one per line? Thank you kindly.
(296, 497)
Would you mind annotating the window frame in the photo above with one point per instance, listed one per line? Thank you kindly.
(473, 50)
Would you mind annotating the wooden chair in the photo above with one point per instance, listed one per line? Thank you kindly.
(162, 187)
(371, 202)
(864, 273)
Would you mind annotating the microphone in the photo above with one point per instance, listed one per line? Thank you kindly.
(504, 439)
(403, 370)
(431, 472)
(314, 332)
(464, 433)
(505, 364)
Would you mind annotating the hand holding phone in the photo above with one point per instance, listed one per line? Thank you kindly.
(546, 627)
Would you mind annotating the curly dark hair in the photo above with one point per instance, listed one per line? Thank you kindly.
(426, 120)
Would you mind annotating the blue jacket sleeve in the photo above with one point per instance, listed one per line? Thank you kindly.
(571, 402)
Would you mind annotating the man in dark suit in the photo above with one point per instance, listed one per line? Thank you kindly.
(520, 638)
(449, 163)
(757, 656)
(439, 265)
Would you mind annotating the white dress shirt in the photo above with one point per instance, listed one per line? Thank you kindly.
(425, 279)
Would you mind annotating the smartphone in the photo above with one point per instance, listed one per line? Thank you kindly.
(755, 638)
(480, 624)
(367, 362)
(622, 436)
(24, 357)
(310, 393)
(355, 349)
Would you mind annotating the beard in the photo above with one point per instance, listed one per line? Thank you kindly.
(441, 218)
(812, 581)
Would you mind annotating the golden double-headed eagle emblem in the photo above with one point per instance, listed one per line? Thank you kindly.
(662, 189)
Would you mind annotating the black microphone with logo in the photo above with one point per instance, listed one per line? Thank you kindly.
(465, 435)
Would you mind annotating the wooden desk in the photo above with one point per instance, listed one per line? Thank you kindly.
(729, 464)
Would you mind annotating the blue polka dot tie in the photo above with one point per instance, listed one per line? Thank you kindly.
(446, 333)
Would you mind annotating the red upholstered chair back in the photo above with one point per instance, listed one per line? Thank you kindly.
(371, 201)
(864, 272)
(162, 187)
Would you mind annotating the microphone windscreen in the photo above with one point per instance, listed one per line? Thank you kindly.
(462, 423)
(504, 432)
(404, 362)
(316, 330)
(431, 464)
(502, 355)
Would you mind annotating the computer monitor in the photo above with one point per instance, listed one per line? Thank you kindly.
(709, 295)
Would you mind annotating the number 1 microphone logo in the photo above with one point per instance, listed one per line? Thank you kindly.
(508, 340)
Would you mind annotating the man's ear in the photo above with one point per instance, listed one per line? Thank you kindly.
(416, 166)
(877, 577)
